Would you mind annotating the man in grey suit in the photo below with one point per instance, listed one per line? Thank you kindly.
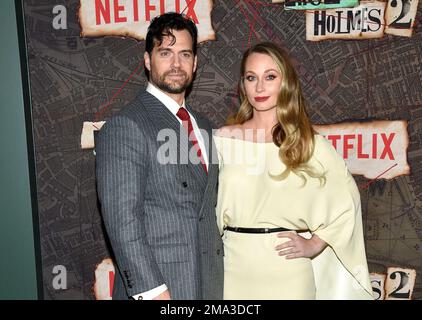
(159, 210)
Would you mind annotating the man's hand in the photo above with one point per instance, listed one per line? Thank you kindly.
(163, 296)
(299, 247)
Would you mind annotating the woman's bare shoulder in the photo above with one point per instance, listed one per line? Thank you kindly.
(230, 131)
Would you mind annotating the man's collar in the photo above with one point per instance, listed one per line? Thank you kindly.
(171, 104)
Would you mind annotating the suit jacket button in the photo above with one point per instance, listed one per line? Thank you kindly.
(185, 184)
(218, 251)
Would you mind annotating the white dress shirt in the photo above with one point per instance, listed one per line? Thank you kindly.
(173, 107)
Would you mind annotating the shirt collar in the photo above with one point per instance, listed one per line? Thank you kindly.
(171, 104)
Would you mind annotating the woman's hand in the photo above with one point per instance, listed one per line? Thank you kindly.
(299, 247)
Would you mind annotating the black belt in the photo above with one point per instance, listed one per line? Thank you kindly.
(255, 230)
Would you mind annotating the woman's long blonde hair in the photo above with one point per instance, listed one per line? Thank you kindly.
(293, 133)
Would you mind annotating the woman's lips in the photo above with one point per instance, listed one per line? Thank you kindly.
(261, 99)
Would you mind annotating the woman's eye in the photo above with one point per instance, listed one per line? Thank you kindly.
(271, 77)
(250, 78)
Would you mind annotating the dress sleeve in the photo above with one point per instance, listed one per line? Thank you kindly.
(340, 226)
(220, 205)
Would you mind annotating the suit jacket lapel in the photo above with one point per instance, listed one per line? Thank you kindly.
(165, 120)
(209, 145)
(157, 111)
(212, 162)
(198, 170)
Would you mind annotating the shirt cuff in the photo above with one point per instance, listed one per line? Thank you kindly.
(151, 294)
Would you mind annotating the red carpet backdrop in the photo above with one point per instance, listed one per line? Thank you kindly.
(361, 71)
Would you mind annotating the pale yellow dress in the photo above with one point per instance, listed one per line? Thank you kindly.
(249, 197)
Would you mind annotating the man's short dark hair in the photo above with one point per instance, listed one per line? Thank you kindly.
(162, 26)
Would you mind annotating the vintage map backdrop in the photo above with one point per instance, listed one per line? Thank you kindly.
(73, 80)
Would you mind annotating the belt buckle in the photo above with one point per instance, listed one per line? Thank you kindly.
(266, 230)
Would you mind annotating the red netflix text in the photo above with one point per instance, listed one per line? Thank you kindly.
(111, 282)
(140, 10)
(379, 145)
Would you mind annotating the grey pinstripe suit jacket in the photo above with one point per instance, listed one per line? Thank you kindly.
(160, 219)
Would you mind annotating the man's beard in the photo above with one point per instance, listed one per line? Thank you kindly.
(174, 87)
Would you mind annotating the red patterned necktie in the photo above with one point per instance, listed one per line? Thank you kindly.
(187, 124)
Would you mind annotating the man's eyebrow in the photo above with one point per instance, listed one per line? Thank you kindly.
(169, 49)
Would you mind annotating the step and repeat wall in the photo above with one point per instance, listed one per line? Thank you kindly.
(361, 71)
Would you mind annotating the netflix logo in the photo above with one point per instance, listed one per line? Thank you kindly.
(131, 18)
(376, 149)
(378, 146)
(118, 11)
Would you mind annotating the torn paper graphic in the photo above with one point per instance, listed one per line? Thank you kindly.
(131, 18)
(376, 149)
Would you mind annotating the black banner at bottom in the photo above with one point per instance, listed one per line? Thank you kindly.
(257, 309)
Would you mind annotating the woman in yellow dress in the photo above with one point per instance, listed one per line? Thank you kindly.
(288, 209)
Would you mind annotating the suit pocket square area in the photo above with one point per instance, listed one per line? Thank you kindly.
(172, 253)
